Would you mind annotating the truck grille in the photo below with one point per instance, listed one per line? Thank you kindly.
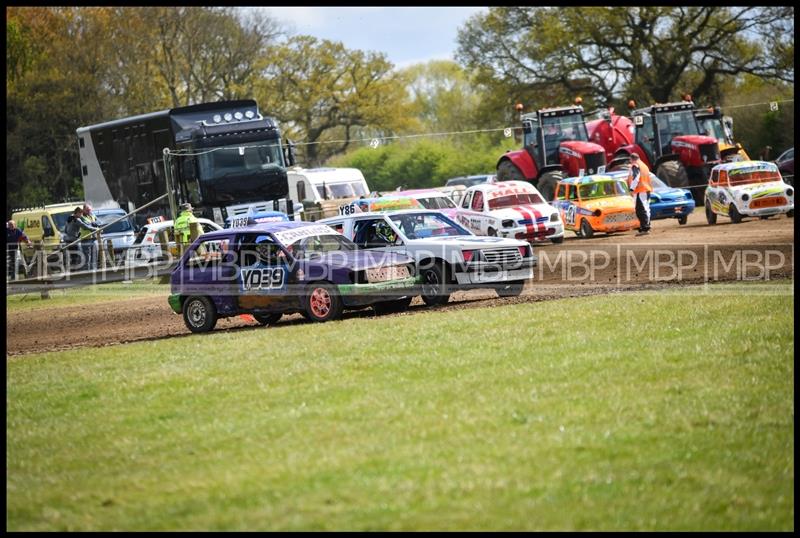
(595, 161)
(502, 256)
(709, 153)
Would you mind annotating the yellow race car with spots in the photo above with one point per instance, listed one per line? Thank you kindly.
(747, 189)
(595, 203)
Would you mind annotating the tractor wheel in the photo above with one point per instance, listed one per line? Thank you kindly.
(506, 171)
(547, 184)
(673, 174)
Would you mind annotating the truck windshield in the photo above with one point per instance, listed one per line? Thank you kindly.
(675, 123)
(236, 160)
(352, 189)
(118, 227)
(712, 128)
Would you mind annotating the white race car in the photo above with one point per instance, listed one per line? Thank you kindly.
(510, 209)
(146, 247)
(747, 189)
(448, 256)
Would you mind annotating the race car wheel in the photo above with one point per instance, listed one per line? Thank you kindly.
(508, 172)
(683, 220)
(510, 289)
(433, 285)
(557, 240)
(711, 217)
(673, 174)
(491, 232)
(790, 213)
(267, 319)
(547, 184)
(734, 214)
(199, 314)
(390, 307)
(322, 302)
(586, 229)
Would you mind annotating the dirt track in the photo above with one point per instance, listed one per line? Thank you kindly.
(671, 255)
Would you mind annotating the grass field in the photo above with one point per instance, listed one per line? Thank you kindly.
(88, 295)
(627, 411)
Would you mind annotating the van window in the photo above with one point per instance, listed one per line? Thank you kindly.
(301, 190)
(47, 227)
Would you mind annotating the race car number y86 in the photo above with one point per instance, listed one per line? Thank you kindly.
(262, 279)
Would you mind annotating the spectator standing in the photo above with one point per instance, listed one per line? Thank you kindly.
(13, 238)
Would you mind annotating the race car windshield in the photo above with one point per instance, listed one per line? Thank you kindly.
(317, 245)
(602, 189)
(515, 199)
(422, 225)
(437, 202)
(748, 177)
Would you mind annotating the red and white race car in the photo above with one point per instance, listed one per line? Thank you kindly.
(510, 209)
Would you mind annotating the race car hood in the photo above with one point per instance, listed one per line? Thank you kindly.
(470, 241)
(523, 212)
(757, 190)
(668, 195)
(615, 202)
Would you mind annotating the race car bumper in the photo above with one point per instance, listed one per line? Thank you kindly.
(489, 273)
(552, 230)
(666, 210)
(766, 211)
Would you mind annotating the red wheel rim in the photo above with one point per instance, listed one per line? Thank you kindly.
(320, 302)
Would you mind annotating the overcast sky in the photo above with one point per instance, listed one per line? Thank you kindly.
(406, 34)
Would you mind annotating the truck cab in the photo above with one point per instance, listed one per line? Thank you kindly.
(322, 190)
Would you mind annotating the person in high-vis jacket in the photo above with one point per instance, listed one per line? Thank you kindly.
(88, 226)
(639, 183)
(183, 225)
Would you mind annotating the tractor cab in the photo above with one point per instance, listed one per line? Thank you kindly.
(711, 122)
(546, 130)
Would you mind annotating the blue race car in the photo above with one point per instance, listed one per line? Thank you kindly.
(668, 202)
(267, 270)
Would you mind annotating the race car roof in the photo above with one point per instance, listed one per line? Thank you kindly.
(594, 178)
(265, 227)
(762, 165)
(389, 213)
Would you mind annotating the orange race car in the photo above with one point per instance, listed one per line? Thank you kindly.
(596, 203)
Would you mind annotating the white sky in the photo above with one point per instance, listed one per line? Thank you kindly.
(406, 34)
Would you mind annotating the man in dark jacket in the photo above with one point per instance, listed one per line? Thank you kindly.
(13, 237)
(72, 232)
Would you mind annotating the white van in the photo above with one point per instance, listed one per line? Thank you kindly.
(319, 184)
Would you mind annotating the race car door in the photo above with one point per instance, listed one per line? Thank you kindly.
(262, 274)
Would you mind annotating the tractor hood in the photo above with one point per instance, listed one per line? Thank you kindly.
(577, 148)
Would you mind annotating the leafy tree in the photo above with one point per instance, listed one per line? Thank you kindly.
(647, 53)
(327, 95)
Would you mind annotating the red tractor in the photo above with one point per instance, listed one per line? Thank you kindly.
(556, 145)
(667, 138)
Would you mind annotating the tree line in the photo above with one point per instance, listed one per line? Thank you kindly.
(74, 66)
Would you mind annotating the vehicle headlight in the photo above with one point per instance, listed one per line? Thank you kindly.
(688, 195)
(790, 192)
(554, 217)
(745, 197)
(508, 223)
(597, 213)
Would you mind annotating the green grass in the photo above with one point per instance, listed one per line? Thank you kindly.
(631, 411)
(88, 295)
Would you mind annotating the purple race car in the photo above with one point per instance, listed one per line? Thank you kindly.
(270, 269)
